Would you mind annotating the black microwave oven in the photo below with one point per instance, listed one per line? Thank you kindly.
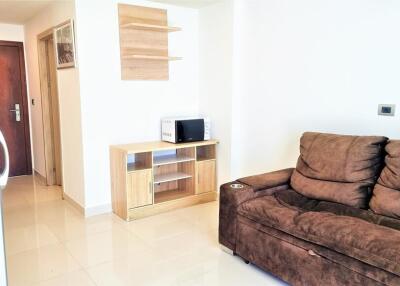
(176, 130)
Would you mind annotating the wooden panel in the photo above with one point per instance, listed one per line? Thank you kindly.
(143, 43)
(166, 169)
(139, 188)
(170, 195)
(188, 152)
(171, 205)
(141, 26)
(160, 145)
(118, 182)
(206, 152)
(188, 184)
(140, 14)
(141, 69)
(206, 181)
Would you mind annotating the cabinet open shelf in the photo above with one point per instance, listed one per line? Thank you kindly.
(171, 195)
(137, 166)
(171, 159)
(149, 27)
(205, 153)
(164, 178)
(149, 57)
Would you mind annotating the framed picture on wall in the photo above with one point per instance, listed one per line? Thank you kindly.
(65, 45)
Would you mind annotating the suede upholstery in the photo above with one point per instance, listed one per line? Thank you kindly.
(268, 180)
(308, 227)
(231, 198)
(386, 194)
(344, 234)
(338, 168)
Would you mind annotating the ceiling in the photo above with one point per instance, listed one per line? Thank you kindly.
(189, 3)
(18, 12)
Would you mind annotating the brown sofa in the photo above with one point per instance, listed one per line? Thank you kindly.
(333, 220)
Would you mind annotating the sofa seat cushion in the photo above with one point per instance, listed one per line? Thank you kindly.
(292, 199)
(370, 243)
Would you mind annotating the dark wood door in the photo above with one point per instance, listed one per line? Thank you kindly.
(13, 95)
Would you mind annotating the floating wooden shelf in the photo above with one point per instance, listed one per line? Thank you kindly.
(143, 38)
(148, 27)
(158, 179)
(146, 57)
(171, 159)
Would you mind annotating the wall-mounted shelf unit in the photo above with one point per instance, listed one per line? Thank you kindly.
(148, 27)
(154, 177)
(148, 57)
(144, 43)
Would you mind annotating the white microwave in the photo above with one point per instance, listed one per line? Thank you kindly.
(180, 130)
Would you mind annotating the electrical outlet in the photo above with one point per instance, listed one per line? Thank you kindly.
(386, 109)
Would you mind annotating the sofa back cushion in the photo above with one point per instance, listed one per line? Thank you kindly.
(386, 193)
(338, 168)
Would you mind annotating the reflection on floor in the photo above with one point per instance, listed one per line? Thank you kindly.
(48, 242)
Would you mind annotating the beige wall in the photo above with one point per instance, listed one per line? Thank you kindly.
(10, 32)
(116, 111)
(69, 100)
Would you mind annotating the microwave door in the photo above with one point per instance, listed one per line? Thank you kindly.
(3, 182)
(190, 130)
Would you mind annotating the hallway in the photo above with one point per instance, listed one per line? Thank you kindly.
(48, 242)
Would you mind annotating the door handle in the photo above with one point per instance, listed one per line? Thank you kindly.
(17, 111)
(4, 174)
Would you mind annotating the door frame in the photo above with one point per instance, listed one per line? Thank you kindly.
(24, 95)
(49, 152)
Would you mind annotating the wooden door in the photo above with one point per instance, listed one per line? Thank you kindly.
(139, 188)
(13, 96)
(205, 177)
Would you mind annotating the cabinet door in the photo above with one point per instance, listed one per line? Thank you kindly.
(139, 188)
(205, 177)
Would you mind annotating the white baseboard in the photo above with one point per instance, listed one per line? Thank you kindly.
(74, 203)
(97, 210)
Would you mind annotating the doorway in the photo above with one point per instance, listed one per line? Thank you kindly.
(50, 108)
(14, 117)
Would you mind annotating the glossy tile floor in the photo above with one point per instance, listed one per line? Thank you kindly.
(48, 242)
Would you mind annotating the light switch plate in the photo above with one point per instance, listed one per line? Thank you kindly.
(386, 109)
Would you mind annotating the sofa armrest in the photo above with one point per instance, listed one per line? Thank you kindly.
(268, 180)
(230, 198)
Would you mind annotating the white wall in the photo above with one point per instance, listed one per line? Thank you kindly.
(215, 99)
(69, 101)
(311, 65)
(116, 111)
(11, 32)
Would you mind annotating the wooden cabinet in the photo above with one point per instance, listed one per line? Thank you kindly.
(206, 181)
(155, 177)
(139, 188)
